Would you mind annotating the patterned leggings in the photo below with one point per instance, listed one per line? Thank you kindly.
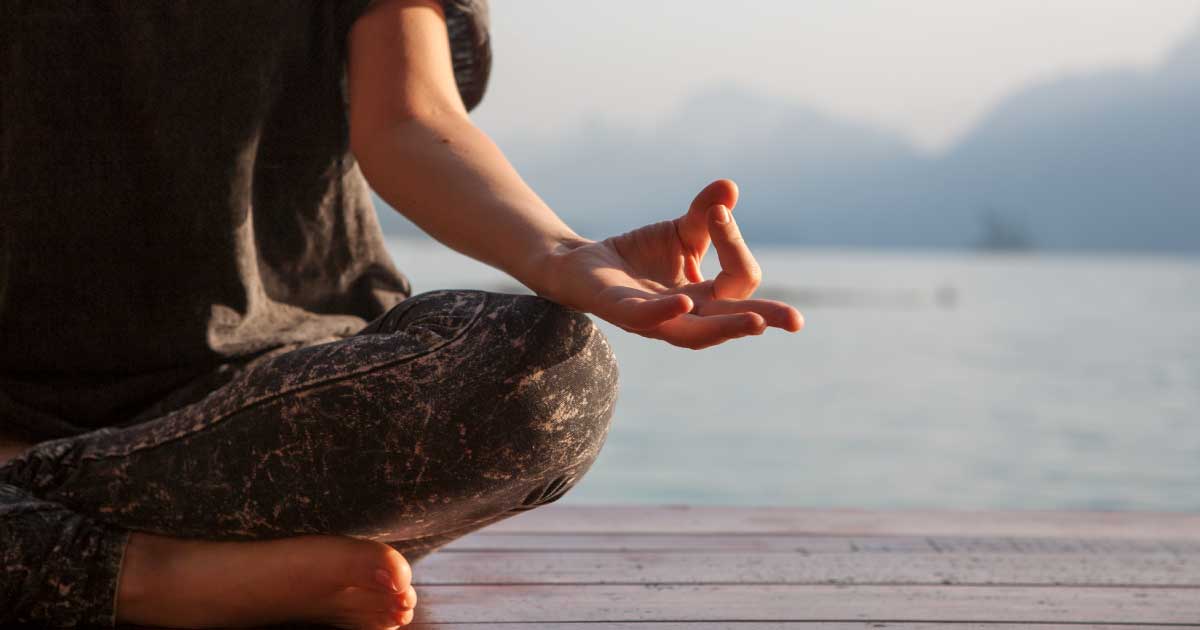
(452, 411)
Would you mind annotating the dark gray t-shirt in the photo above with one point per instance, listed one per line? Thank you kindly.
(176, 193)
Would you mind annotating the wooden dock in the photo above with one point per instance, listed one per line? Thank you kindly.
(680, 568)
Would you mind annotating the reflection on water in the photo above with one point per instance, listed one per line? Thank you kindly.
(921, 380)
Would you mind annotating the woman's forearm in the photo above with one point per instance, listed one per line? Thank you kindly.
(445, 174)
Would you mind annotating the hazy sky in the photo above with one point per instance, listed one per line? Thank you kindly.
(925, 68)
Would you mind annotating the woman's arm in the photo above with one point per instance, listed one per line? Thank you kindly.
(418, 149)
(420, 152)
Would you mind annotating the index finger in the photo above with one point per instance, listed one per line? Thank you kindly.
(740, 273)
(692, 229)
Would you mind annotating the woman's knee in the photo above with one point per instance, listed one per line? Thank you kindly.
(509, 415)
(508, 359)
(510, 386)
(559, 400)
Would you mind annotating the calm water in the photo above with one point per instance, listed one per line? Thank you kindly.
(922, 380)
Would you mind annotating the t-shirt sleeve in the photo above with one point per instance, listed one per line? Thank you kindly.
(470, 47)
(470, 44)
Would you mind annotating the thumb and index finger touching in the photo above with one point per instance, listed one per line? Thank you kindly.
(740, 276)
(693, 226)
(709, 219)
(740, 273)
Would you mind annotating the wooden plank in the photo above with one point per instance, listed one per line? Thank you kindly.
(720, 603)
(784, 625)
(668, 543)
(1156, 569)
(798, 543)
(772, 520)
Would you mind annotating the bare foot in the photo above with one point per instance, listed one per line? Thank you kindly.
(346, 582)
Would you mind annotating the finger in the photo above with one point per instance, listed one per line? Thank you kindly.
(691, 269)
(692, 227)
(775, 313)
(696, 332)
(740, 273)
(636, 313)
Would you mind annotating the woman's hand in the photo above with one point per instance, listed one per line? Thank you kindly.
(648, 281)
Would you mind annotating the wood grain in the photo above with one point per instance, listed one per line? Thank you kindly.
(718, 520)
(799, 543)
(716, 604)
(680, 568)
(1149, 569)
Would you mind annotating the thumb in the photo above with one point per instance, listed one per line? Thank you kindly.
(693, 226)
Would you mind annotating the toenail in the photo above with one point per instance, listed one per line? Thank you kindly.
(385, 580)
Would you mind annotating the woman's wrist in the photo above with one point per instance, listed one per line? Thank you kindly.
(546, 270)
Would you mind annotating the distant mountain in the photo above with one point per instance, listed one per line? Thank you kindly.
(1100, 161)
(1106, 161)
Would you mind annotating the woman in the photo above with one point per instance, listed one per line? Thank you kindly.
(230, 411)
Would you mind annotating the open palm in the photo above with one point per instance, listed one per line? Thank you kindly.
(648, 281)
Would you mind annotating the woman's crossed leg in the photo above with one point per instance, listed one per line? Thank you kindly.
(271, 499)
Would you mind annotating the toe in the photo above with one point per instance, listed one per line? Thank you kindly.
(409, 600)
(372, 610)
(376, 566)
